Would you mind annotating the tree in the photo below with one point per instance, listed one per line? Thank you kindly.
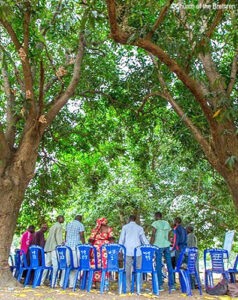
(42, 48)
(193, 45)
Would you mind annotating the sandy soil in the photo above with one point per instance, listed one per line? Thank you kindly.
(46, 293)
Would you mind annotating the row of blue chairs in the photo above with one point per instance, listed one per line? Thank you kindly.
(84, 271)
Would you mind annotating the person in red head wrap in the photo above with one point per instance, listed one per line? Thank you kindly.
(100, 235)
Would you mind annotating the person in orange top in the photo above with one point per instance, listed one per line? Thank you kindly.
(100, 235)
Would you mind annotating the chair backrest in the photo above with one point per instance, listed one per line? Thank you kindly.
(20, 259)
(148, 253)
(192, 254)
(236, 263)
(36, 253)
(217, 259)
(85, 252)
(111, 252)
(62, 253)
(11, 261)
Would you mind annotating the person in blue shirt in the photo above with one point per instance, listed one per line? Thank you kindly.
(180, 237)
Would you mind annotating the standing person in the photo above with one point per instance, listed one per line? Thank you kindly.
(192, 242)
(55, 238)
(27, 238)
(180, 237)
(160, 238)
(191, 238)
(100, 235)
(38, 238)
(132, 236)
(74, 235)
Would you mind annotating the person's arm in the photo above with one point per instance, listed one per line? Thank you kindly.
(122, 238)
(59, 236)
(143, 238)
(152, 239)
(82, 238)
(175, 241)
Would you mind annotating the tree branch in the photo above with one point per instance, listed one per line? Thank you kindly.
(26, 68)
(11, 119)
(160, 19)
(27, 16)
(145, 99)
(53, 19)
(62, 100)
(4, 150)
(41, 91)
(233, 78)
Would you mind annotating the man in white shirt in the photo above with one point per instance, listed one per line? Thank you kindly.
(132, 236)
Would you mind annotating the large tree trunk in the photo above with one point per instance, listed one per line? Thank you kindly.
(11, 196)
(17, 174)
(232, 182)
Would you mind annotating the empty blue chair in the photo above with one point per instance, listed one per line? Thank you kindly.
(111, 252)
(65, 263)
(217, 265)
(234, 270)
(148, 253)
(20, 263)
(37, 264)
(84, 253)
(187, 270)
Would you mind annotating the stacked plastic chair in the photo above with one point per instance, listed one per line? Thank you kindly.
(21, 264)
(37, 264)
(112, 252)
(84, 253)
(64, 265)
(148, 253)
(188, 257)
(217, 265)
(232, 272)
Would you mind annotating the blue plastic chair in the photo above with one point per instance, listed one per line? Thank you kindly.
(20, 263)
(84, 252)
(217, 261)
(63, 265)
(111, 252)
(232, 272)
(148, 253)
(188, 271)
(36, 252)
(11, 263)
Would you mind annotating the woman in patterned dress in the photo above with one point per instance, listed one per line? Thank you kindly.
(100, 235)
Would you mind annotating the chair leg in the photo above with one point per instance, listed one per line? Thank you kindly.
(90, 280)
(188, 283)
(76, 280)
(36, 278)
(66, 278)
(155, 283)
(27, 277)
(198, 282)
(182, 283)
(56, 276)
(83, 282)
(138, 283)
(102, 281)
(19, 275)
(120, 282)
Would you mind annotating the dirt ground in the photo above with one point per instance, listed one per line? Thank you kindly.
(46, 293)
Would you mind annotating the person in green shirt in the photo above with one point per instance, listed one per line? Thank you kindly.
(160, 238)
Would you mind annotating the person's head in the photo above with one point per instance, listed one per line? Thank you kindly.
(132, 218)
(189, 229)
(177, 221)
(60, 219)
(78, 218)
(31, 228)
(44, 227)
(158, 215)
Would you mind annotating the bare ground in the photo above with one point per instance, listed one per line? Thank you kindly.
(46, 293)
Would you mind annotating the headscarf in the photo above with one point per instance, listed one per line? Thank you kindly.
(100, 222)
